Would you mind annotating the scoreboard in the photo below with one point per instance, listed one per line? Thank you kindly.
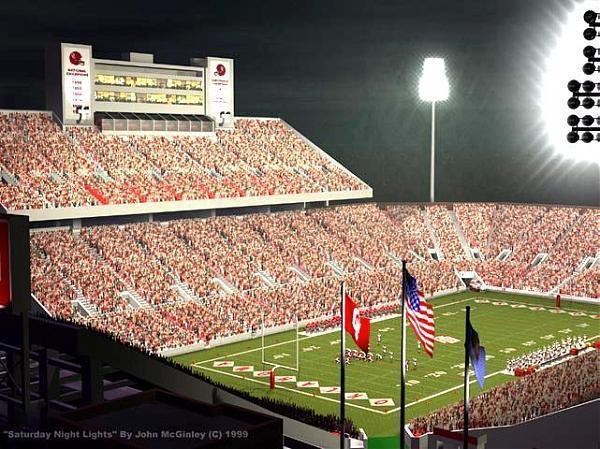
(78, 86)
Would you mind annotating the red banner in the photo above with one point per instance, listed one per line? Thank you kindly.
(357, 326)
(5, 291)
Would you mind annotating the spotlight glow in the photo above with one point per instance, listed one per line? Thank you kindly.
(433, 85)
(563, 64)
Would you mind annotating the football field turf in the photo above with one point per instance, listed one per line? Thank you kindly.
(508, 325)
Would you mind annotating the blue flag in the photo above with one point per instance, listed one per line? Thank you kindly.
(476, 354)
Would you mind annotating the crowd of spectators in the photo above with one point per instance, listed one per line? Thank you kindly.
(49, 286)
(586, 284)
(447, 236)
(476, 221)
(82, 166)
(554, 222)
(80, 267)
(514, 225)
(414, 236)
(46, 167)
(141, 272)
(555, 388)
(274, 268)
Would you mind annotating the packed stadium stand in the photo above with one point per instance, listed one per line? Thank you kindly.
(171, 284)
(559, 387)
(163, 224)
(45, 167)
(192, 278)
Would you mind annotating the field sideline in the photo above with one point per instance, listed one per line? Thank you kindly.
(508, 325)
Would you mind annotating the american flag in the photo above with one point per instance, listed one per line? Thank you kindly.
(412, 292)
(419, 313)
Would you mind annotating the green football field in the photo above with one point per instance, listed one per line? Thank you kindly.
(508, 325)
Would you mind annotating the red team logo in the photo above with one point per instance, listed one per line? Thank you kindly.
(76, 58)
(220, 70)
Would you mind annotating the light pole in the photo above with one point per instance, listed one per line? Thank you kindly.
(433, 87)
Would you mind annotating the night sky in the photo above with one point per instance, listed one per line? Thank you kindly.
(345, 74)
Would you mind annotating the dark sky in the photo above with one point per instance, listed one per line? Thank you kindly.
(345, 74)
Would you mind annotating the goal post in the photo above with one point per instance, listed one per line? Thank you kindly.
(296, 343)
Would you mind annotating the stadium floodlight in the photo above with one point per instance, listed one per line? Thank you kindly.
(562, 64)
(589, 86)
(589, 68)
(433, 87)
(590, 34)
(590, 17)
(590, 52)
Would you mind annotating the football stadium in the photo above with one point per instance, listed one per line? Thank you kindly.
(183, 266)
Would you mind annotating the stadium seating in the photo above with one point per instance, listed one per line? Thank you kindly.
(546, 391)
(476, 221)
(287, 265)
(49, 167)
(446, 233)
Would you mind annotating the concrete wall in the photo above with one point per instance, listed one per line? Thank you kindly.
(542, 294)
(575, 428)
(62, 213)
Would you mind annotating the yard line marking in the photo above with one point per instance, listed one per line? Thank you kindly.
(439, 393)
(200, 364)
(548, 307)
(305, 393)
(249, 351)
(455, 302)
(197, 364)
(460, 386)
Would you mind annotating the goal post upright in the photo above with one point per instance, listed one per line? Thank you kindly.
(262, 338)
(264, 361)
(297, 345)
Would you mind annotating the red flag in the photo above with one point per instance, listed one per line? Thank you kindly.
(357, 326)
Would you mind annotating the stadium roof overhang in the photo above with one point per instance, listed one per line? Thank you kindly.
(150, 123)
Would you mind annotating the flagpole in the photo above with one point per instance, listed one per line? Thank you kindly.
(466, 388)
(403, 360)
(343, 365)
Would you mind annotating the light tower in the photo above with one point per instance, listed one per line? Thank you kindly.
(433, 87)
